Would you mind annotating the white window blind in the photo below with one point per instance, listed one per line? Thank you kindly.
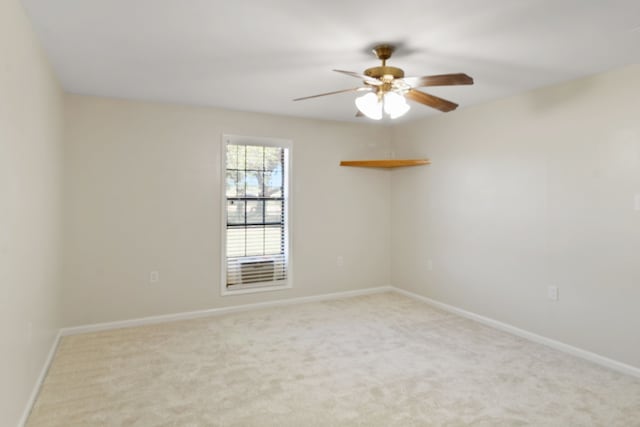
(256, 252)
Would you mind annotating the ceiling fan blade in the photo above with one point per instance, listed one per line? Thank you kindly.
(439, 80)
(369, 80)
(355, 89)
(430, 100)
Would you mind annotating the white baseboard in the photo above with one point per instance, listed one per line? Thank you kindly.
(218, 311)
(36, 387)
(566, 348)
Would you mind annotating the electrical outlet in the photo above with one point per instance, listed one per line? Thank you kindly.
(429, 265)
(340, 261)
(154, 277)
(553, 293)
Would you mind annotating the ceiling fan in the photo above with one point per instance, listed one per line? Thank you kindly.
(388, 89)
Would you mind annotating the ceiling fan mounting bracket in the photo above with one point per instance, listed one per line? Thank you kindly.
(383, 51)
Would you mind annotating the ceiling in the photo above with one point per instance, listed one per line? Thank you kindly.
(256, 55)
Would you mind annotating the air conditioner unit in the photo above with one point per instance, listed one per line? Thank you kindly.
(254, 270)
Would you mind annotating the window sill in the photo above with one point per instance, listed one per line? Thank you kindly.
(255, 289)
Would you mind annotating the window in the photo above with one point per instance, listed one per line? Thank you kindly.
(255, 214)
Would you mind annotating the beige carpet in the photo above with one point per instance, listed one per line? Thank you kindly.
(379, 360)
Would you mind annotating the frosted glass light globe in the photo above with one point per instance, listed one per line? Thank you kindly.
(370, 106)
(395, 105)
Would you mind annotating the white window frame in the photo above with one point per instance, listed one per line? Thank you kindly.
(264, 286)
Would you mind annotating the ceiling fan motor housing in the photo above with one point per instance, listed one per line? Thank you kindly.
(379, 72)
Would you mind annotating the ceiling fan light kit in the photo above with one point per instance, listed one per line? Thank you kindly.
(372, 105)
(388, 89)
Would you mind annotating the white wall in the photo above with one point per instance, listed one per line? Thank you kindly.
(142, 193)
(524, 193)
(30, 135)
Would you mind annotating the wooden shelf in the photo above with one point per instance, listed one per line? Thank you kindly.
(391, 163)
